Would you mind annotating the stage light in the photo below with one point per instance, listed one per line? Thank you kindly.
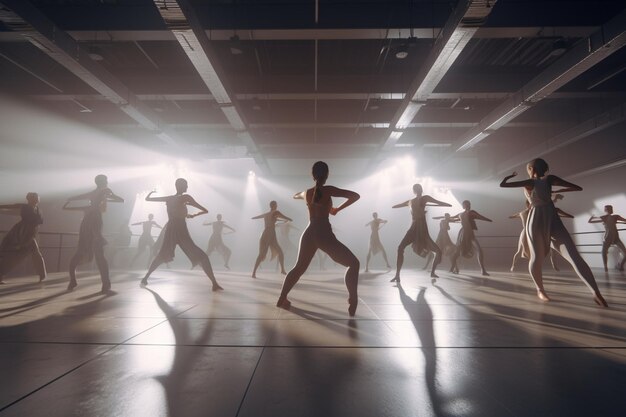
(251, 174)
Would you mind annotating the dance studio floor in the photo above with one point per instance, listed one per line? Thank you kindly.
(466, 346)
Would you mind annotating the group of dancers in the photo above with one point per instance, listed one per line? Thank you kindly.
(543, 233)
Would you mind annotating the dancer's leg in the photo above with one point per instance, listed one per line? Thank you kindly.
(432, 246)
(605, 254)
(263, 248)
(305, 255)
(37, 259)
(520, 250)
(563, 243)
(339, 253)
(553, 259)
(621, 247)
(406, 241)
(367, 259)
(226, 254)
(480, 256)
(537, 254)
(385, 257)
(281, 258)
(103, 268)
(74, 261)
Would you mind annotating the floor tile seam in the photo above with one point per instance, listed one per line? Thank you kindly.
(245, 393)
(97, 356)
(505, 347)
(166, 320)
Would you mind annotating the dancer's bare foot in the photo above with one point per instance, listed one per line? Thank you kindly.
(106, 287)
(41, 279)
(73, 284)
(512, 269)
(253, 275)
(433, 275)
(216, 287)
(600, 300)
(283, 272)
(395, 279)
(485, 274)
(144, 282)
(542, 295)
(283, 303)
(352, 307)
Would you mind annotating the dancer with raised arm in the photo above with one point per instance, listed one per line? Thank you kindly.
(175, 232)
(146, 241)
(21, 240)
(268, 239)
(90, 240)
(611, 234)
(417, 236)
(545, 229)
(466, 241)
(216, 243)
(375, 244)
(319, 235)
(443, 241)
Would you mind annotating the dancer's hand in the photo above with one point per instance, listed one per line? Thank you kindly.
(334, 210)
(191, 216)
(513, 174)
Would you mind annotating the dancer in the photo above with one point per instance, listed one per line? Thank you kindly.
(545, 229)
(268, 238)
(522, 244)
(90, 240)
(175, 232)
(319, 235)
(145, 240)
(443, 240)
(284, 229)
(21, 240)
(215, 241)
(611, 235)
(375, 244)
(417, 236)
(466, 241)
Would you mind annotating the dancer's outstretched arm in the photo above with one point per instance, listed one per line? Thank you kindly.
(159, 199)
(404, 204)
(280, 215)
(228, 227)
(81, 208)
(260, 216)
(514, 216)
(479, 216)
(620, 219)
(10, 209)
(435, 202)
(113, 198)
(136, 224)
(505, 183)
(155, 224)
(85, 196)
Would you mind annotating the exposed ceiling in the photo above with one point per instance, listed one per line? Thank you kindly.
(355, 80)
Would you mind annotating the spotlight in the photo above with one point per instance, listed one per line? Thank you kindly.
(95, 53)
(251, 174)
(403, 51)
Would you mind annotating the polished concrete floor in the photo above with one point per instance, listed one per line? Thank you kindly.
(465, 346)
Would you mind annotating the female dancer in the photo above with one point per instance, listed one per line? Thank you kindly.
(90, 240)
(375, 244)
(175, 232)
(268, 237)
(145, 240)
(443, 241)
(319, 235)
(522, 245)
(544, 228)
(417, 236)
(611, 235)
(215, 241)
(466, 241)
(21, 240)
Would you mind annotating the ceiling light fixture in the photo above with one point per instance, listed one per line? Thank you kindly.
(235, 45)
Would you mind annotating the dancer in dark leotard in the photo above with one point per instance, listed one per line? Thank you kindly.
(319, 235)
(375, 244)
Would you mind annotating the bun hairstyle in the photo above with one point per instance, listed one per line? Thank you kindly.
(320, 175)
(540, 166)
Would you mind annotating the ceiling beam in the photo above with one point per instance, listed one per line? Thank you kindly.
(40, 31)
(459, 29)
(565, 95)
(587, 128)
(582, 56)
(320, 34)
(181, 19)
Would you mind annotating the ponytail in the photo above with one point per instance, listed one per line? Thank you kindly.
(320, 174)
